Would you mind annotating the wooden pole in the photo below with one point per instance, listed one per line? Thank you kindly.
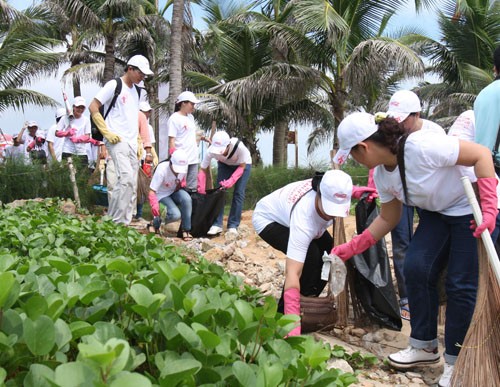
(72, 177)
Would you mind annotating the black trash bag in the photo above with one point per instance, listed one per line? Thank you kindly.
(372, 274)
(206, 208)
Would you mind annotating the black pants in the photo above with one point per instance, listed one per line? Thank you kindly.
(311, 283)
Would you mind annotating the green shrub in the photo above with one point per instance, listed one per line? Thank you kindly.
(91, 303)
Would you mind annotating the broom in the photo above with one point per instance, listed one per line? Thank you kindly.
(478, 363)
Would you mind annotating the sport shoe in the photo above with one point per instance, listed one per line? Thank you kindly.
(232, 230)
(214, 230)
(411, 357)
(445, 379)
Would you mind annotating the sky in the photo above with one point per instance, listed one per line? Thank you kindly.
(11, 121)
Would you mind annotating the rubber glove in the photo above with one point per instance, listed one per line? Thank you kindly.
(357, 192)
(355, 246)
(489, 203)
(153, 202)
(113, 138)
(202, 182)
(31, 146)
(171, 150)
(94, 141)
(233, 179)
(292, 306)
(183, 182)
(66, 133)
(40, 140)
(80, 139)
(155, 156)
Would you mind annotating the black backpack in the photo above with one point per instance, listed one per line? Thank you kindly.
(96, 134)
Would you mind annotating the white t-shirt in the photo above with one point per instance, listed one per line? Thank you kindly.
(123, 118)
(183, 128)
(164, 182)
(82, 127)
(241, 155)
(432, 178)
(304, 222)
(57, 142)
(432, 126)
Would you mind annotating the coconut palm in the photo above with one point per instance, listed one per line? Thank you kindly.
(26, 52)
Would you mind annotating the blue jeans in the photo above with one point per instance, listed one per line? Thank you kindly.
(182, 199)
(224, 172)
(441, 240)
(401, 236)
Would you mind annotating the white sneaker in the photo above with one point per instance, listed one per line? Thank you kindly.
(445, 379)
(232, 230)
(411, 357)
(214, 230)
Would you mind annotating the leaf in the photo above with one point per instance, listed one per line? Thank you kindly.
(76, 374)
(244, 313)
(63, 333)
(7, 289)
(39, 335)
(177, 370)
(39, 375)
(244, 373)
(141, 294)
(35, 306)
(80, 328)
(60, 264)
(188, 334)
(93, 290)
(273, 373)
(12, 324)
(121, 265)
(129, 379)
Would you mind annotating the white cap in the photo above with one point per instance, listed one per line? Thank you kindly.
(220, 141)
(79, 101)
(32, 123)
(187, 96)
(336, 190)
(60, 112)
(141, 62)
(179, 161)
(353, 129)
(402, 104)
(144, 106)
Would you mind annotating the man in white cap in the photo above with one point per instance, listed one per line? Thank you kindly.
(26, 138)
(54, 143)
(76, 132)
(165, 188)
(120, 130)
(294, 219)
(181, 129)
(234, 163)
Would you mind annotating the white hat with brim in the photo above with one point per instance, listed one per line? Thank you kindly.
(179, 161)
(220, 141)
(144, 106)
(141, 62)
(187, 96)
(80, 101)
(402, 104)
(336, 190)
(32, 124)
(353, 129)
(60, 112)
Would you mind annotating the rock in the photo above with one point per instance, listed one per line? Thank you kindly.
(412, 375)
(358, 332)
(340, 364)
(215, 254)
(263, 245)
(238, 256)
(69, 208)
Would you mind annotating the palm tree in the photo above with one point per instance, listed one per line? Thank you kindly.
(26, 51)
(175, 70)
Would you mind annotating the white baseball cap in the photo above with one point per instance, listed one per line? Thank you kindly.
(79, 101)
(402, 104)
(144, 106)
(187, 96)
(141, 62)
(220, 141)
(60, 112)
(353, 129)
(336, 190)
(179, 161)
(32, 124)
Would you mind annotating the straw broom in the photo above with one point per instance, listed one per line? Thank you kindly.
(478, 363)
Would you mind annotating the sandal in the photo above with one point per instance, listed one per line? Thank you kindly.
(186, 236)
(405, 312)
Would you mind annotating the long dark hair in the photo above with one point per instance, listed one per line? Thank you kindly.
(388, 134)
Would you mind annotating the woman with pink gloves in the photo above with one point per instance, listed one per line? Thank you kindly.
(234, 163)
(294, 219)
(423, 169)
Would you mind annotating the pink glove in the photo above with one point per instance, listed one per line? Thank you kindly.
(202, 182)
(80, 139)
(355, 246)
(357, 192)
(93, 141)
(171, 150)
(68, 133)
(233, 179)
(31, 145)
(489, 203)
(292, 306)
(153, 202)
(183, 182)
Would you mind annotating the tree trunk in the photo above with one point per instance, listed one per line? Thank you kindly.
(175, 68)
(280, 143)
(109, 59)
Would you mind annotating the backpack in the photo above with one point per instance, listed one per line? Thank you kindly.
(96, 134)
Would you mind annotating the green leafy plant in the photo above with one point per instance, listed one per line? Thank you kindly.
(84, 301)
(356, 360)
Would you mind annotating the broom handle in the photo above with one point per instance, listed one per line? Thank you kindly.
(485, 235)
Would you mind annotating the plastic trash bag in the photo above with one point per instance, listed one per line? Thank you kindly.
(372, 280)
